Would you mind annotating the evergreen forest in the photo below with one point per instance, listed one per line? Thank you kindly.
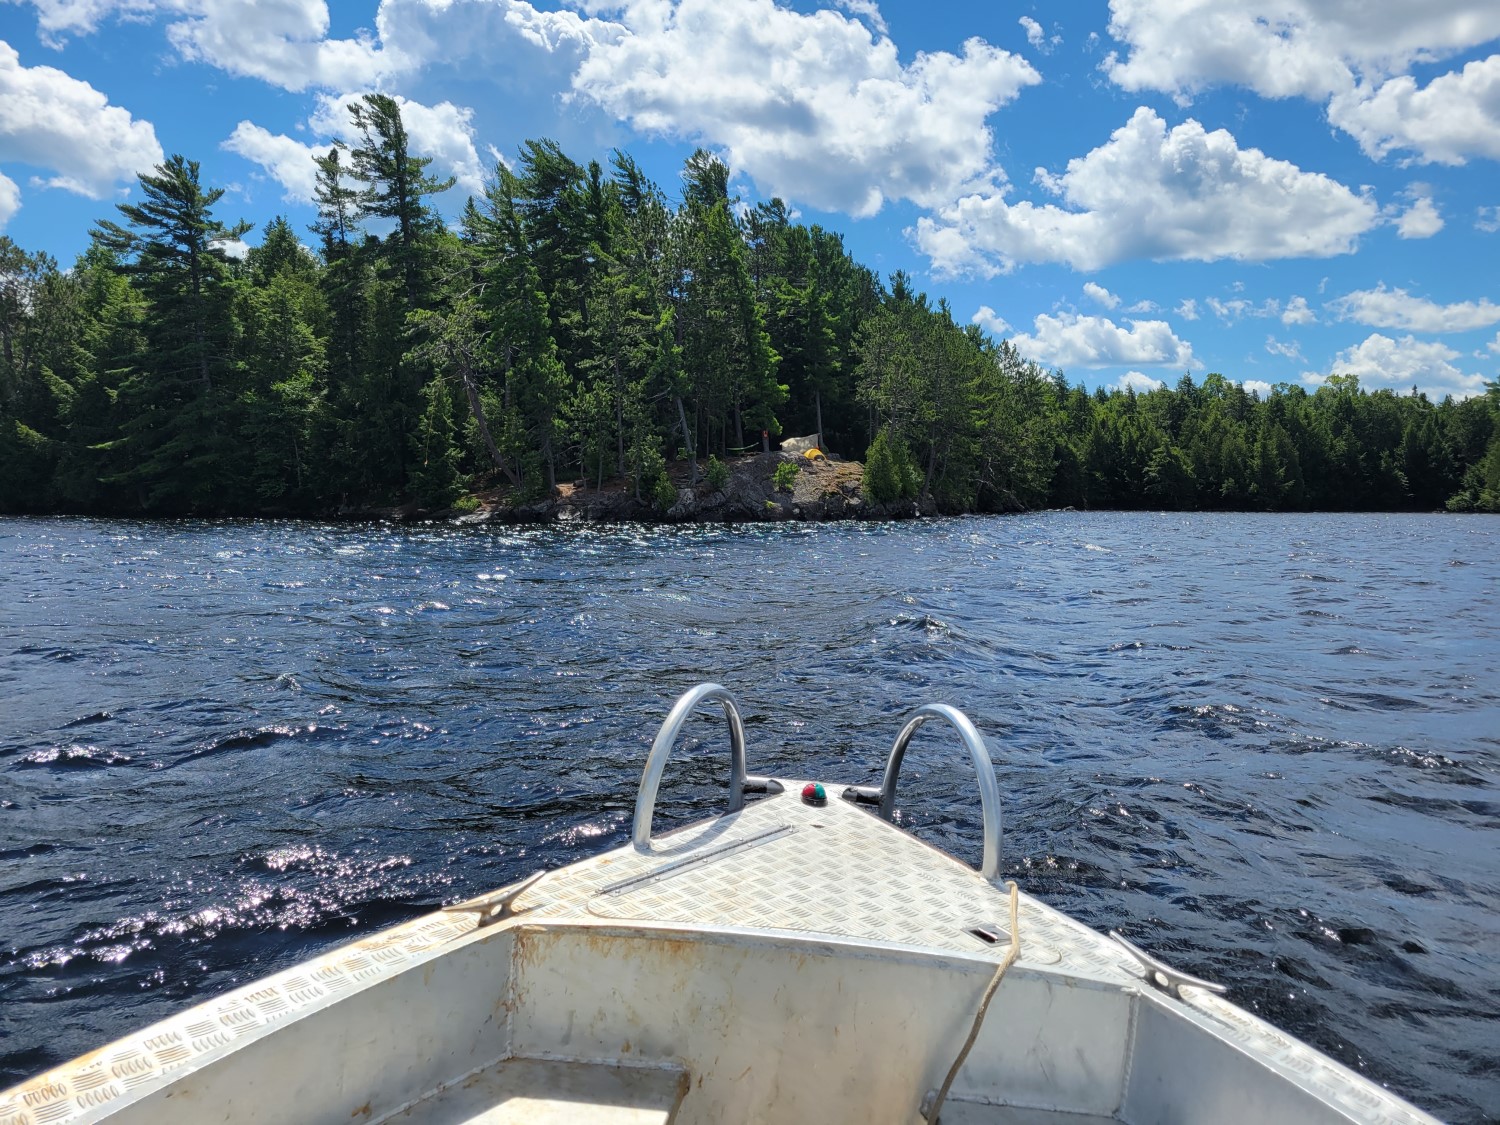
(577, 324)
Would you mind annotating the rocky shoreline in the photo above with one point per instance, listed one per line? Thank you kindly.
(822, 490)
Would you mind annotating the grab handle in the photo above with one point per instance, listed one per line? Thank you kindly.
(989, 788)
(645, 801)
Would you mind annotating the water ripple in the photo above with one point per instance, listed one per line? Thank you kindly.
(1262, 746)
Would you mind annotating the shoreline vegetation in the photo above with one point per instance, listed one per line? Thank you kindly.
(580, 345)
(743, 489)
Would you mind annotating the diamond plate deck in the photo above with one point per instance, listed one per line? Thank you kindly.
(837, 871)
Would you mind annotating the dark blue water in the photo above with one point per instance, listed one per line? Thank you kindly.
(1265, 747)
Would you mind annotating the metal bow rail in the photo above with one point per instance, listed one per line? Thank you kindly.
(884, 795)
(740, 782)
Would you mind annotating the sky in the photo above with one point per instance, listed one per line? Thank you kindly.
(1274, 190)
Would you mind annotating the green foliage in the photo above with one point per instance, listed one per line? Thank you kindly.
(663, 492)
(396, 183)
(176, 439)
(647, 467)
(465, 505)
(1481, 485)
(727, 366)
(717, 474)
(785, 476)
(886, 471)
(27, 462)
(577, 325)
(1169, 478)
(435, 476)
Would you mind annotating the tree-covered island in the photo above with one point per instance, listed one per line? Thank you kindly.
(579, 335)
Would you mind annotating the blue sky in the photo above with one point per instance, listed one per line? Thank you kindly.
(1272, 189)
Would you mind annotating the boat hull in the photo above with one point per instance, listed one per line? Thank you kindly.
(786, 962)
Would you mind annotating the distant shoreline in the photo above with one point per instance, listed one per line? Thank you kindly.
(822, 490)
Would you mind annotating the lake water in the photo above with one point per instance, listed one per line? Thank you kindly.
(1264, 747)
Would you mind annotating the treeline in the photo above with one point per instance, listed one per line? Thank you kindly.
(579, 324)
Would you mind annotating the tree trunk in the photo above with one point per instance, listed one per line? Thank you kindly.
(687, 436)
(822, 441)
(619, 422)
(404, 205)
(196, 281)
(297, 461)
(476, 407)
(509, 365)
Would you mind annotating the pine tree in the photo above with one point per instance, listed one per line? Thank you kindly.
(283, 362)
(384, 283)
(535, 382)
(396, 186)
(728, 364)
(338, 205)
(177, 439)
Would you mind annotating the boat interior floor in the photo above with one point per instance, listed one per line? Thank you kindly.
(553, 1092)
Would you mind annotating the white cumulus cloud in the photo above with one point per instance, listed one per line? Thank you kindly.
(817, 107)
(58, 19)
(1236, 308)
(1396, 308)
(991, 321)
(1297, 312)
(1352, 57)
(283, 42)
(53, 121)
(1487, 219)
(1100, 295)
(1380, 361)
(1286, 349)
(1139, 382)
(1286, 48)
(288, 161)
(1257, 387)
(1421, 219)
(813, 107)
(1184, 194)
(1188, 309)
(1070, 340)
(866, 9)
(236, 248)
(10, 199)
(1453, 117)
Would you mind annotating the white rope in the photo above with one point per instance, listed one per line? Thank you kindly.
(984, 1004)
